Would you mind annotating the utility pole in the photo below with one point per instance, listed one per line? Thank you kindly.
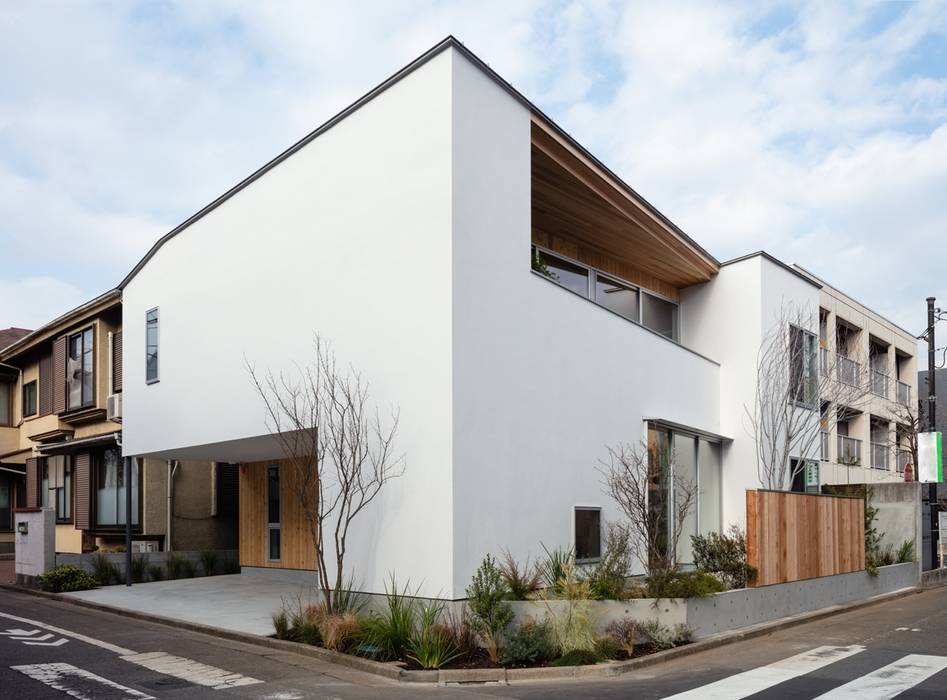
(932, 420)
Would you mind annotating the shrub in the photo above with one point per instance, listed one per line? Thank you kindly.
(571, 624)
(104, 570)
(433, 645)
(209, 560)
(624, 631)
(576, 657)
(155, 572)
(683, 584)
(723, 555)
(461, 633)
(489, 613)
(886, 556)
(607, 577)
(281, 624)
(906, 551)
(605, 648)
(175, 566)
(390, 632)
(658, 635)
(139, 568)
(552, 570)
(682, 633)
(66, 578)
(527, 645)
(521, 584)
(341, 632)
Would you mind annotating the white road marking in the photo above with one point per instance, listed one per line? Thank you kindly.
(121, 651)
(759, 679)
(191, 671)
(58, 643)
(891, 680)
(76, 682)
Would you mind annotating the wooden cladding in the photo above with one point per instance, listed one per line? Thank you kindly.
(795, 536)
(116, 362)
(82, 487)
(32, 482)
(59, 375)
(46, 385)
(297, 549)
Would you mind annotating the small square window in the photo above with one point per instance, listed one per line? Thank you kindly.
(588, 534)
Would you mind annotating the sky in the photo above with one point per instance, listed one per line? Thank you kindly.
(814, 131)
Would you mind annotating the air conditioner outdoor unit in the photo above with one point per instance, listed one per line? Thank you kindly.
(113, 408)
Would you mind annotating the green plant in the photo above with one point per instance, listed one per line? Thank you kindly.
(658, 635)
(607, 578)
(66, 578)
(724, 556)
(553, 568)
(305, 620)
(462, 634)
(341, 632)
(209, 559)
(539, 265)
(390, 632)
(155, 572)
(683, 584)
(886, 556)
(231, 566)
(625, 632)
(873, 552)
(577, 657)
(139, 568)
(682, 633)
(175, 566)
(605, 647)
(433, 645)
(527, 645)
(489, 613)
(521, 584)
(906, 551)
(104, 570)
(281, 624)
(570, 617)
(347, 599)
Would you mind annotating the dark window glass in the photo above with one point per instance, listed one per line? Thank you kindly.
(616, 296)
(64, 494)
(151, 346)
(272, 495)
(588, 533)
(29, 399)
(274, 543)
(562, 271)
(6, 504)
(659, 315)
(80, 370)
(44, 483)
(659, 480)
(803, 375)
(6, 403)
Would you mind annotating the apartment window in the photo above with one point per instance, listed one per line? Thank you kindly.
(151, 346)
(803, 372)
(110, 489)
(29, 399)
(273, 512)
(660, 315)
(618, 297)
(6, 504)
(588, 534)
(79, 370)
(44, 483)
(63, 491)
(6, 403)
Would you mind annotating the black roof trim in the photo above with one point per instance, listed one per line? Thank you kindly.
(449, 42)
(775, 261)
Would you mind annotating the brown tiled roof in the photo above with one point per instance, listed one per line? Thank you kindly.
(8, 336)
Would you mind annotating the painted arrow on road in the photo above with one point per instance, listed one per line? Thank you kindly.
(29, 637)
(58, 643)
(19, 633)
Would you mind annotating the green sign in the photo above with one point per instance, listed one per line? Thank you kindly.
(930, 458)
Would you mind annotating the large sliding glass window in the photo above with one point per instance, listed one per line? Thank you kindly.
(709, 495)
(685, 475)
(79, 370)
(110, 489)
(273, 513)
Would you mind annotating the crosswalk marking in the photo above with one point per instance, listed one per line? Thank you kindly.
(759, 679)
(77, 682)
(191, 671)
(890, 680)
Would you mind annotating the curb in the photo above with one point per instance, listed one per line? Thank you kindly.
(393, 671)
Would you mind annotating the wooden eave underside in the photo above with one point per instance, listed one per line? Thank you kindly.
(573, 198)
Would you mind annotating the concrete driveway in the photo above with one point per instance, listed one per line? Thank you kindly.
(239, 602)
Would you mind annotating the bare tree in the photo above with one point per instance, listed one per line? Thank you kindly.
(801, 389)
(649, 497)
(909, 421)
(339, 452)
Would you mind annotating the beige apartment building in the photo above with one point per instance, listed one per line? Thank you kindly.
(63, 384)
(868, 422)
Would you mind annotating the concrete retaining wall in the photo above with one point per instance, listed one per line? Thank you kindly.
(86, 561)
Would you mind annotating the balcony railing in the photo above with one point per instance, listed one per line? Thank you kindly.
(825, 446)
(904, 393)
(879, 383)
(847, 370)
(849, 450)
(902, 459)
(879, 456)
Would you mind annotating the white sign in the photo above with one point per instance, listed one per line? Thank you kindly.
(930, 458)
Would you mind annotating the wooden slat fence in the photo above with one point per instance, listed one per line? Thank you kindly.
(795, 536)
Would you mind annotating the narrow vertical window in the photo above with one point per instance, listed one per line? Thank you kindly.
(80, 369)
(29, 399)
(6, 403)
(151, 346)
(588, 534)
(273, 512)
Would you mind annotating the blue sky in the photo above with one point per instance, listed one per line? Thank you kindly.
(816, 131)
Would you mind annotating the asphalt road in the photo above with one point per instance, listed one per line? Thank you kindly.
(897, 649)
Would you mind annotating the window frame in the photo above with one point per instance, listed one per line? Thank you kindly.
(811, 370)
(34, 384)
(575, 539)
(83, 402)
(64, 493)
(157, 325)
(593, 275)
(97, 463)
(11, 390)
(278, 524)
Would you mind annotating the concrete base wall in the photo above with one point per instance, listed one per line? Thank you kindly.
(86, 561)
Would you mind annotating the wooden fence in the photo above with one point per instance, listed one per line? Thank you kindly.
(794, 536)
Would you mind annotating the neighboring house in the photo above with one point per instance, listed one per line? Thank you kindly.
(64, 389)
(12, 475)
(523, 306)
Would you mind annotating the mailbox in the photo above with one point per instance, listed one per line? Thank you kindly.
(23, 528)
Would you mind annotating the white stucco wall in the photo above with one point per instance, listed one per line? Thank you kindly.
(543, 379)
(349, 237)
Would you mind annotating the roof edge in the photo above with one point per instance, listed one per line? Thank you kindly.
(776, 261)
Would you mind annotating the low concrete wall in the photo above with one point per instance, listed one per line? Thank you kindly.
(35, 542)
(86, 561)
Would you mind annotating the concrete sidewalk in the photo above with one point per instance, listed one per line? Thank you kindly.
(238, 602)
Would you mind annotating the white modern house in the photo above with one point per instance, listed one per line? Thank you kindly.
(521, 305)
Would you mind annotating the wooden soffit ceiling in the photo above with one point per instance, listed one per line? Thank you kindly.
(575, 198)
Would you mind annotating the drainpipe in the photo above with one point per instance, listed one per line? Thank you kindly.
(172, 470)
(109, 364)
